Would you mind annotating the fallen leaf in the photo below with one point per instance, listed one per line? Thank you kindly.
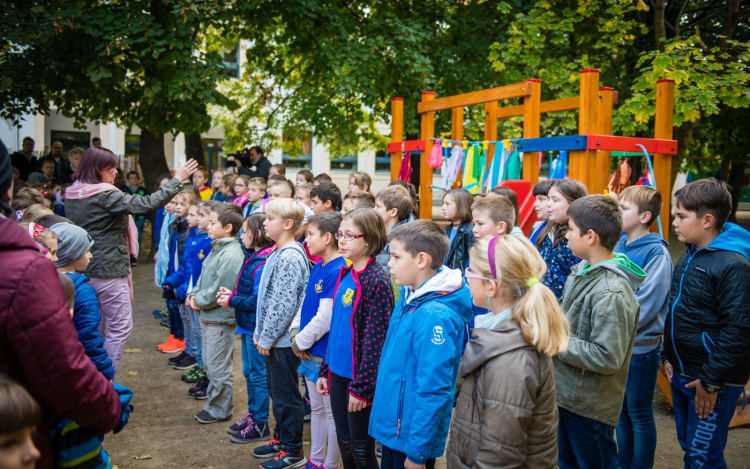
(132, 350)
(134, 373)
(140, 458)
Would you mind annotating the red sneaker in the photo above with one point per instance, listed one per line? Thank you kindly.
(171, 338)
(174, 346)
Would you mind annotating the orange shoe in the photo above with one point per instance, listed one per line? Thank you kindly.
(174, 346)
(166, 342)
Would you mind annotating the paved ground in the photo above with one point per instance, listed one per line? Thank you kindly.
(163, 434)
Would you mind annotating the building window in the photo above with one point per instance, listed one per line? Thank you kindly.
(344, 163)
(212, 151)
(231, 57)
(382, 162)
(296, 150)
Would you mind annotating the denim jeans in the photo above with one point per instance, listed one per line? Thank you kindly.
(187, 329)
(393, 459)
(288, 409)
(195, 322)
(585, 443)
(254, 370)
(703, 440)
(175, 320)
(139, 225)
(636, 430)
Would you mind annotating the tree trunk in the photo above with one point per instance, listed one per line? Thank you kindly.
(153, 163)
(194, 148)
(660, 31)
(735, 180)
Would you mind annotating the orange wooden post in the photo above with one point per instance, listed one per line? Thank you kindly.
(588, 113)
(490, 133)
(531, 125)
(425, 172)
(600, 175)
(457, 133)
(663, 163)
(397, 133)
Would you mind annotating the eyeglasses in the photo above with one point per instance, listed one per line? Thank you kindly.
(348, 236)
(469, 275)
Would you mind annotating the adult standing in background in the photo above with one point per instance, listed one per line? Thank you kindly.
(39, 346)
(96, 142)
(62, 165)
(259, 165)
(97, 206)
(25, 161)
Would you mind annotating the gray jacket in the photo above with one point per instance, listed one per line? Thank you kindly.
(105, 217)
(280, 295)
(603, 313)
(220, 269)
(506, 414)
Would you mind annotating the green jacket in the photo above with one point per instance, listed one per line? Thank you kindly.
(220, 269)
(603, 313)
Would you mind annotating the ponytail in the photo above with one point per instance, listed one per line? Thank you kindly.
(517, 268)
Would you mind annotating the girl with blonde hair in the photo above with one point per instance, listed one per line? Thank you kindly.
(506, 414)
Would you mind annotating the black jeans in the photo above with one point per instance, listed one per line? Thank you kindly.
(393, 459)
(287, 404)
(351, 427)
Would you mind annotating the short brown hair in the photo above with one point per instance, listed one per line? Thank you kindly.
(187, 195)
(463, 200)
(280, 168)
(260, 182)
(423, 236)
(228, 180)
(207, 206)
(397, 197)
(35, 212)
(372, 226)
(511, 195)
(327, 191)
(600, 214)
(646, 198)
(68, 289)
(361, 179)
(307, 174)
(287, 209)
(254, 224)
(18, 410)
(322, 177)
(541, 188)
(203, 170)
(287, 185)
(27, 197)
(498, 209)
(326, 222)
(228, 214)
(706, 196)
(361, 199)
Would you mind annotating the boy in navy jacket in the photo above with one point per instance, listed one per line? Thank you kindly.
(419, 364)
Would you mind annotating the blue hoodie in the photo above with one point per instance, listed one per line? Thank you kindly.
(197, 248)
(419, 367)
(650, 254)
(706, 332)
(86, 319)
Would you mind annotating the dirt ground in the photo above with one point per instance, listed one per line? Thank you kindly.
(162, 432)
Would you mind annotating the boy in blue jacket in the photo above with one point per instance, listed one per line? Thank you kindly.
(418, 368)
(706, 352)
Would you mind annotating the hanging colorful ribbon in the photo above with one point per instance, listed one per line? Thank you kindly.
(454, 165)
(435, 159)
(513, 166)
(558, 168)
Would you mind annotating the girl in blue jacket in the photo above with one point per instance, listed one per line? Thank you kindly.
(244, 299)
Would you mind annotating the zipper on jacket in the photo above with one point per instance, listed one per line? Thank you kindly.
(677, 300)
(705, 345)
(400, 409)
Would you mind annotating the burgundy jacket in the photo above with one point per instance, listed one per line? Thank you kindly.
(39, 346)
(372, 309)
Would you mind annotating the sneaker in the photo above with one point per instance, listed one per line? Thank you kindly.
(201, 394)
(185, 363)
(160, 313)
(253, 432)
(312, 465)
(205, 416)
(202, 384)
(172, 361)
(194, 375)
(285, 460)
(133, 260)
(174, 346)
(164, 323)
(247, 420)
(269, 450)
(169, 339)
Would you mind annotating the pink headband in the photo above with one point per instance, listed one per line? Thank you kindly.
(491, 253)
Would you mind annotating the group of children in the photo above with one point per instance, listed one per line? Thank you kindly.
(557, 339)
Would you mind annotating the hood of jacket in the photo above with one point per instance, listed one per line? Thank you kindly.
(486, 344)
(732, 238)
(77, 278)
(648, 239)
(620, 265)
(445, 287)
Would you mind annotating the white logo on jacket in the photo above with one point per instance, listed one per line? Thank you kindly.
(437, 335)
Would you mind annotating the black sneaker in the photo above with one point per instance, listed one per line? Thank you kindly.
(202, 384)
(172, 361)
(284, 460)
(269, 450)
(185, 363)
(205, 416)
(201, 394)
(194, 375)
(246, 421)
(164, 323)
(253, 432)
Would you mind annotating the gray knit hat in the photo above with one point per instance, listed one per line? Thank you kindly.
(72, 243)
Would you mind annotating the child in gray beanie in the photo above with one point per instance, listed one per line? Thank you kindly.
(73, 242)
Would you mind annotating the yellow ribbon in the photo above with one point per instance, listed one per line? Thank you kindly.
(531, 281)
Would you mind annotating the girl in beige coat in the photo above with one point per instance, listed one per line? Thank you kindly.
(506, 414)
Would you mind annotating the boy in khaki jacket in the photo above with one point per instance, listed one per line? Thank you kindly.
(603, 313)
